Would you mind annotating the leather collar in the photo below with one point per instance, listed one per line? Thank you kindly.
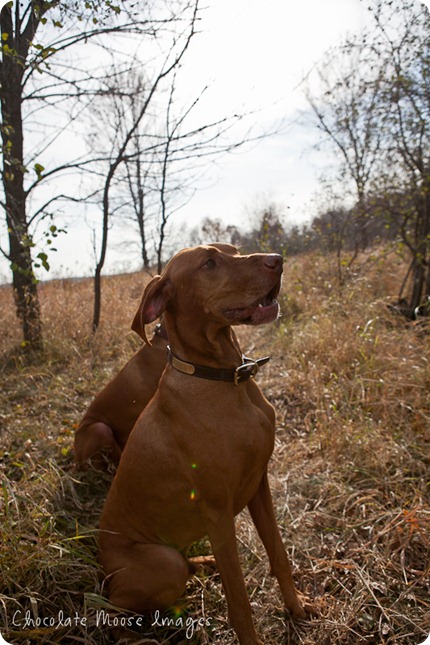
(248, 369)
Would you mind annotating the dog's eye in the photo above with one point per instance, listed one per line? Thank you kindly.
(210, 264)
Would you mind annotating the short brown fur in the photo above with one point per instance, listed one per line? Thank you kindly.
(199, 452)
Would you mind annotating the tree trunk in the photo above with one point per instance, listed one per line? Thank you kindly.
(97, 296)
(141, 223)
(103, 249)
(422, 244)
(418, 280)
(20, 243)
(25, 290)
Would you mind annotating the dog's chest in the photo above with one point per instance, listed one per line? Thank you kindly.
(230, 453)
(185, 463)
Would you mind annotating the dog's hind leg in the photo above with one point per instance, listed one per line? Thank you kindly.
(92, 439)
(144, 577)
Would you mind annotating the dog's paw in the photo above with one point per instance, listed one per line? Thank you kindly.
(302, 607)
(202, 562)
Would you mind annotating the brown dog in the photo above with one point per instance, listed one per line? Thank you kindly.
(110, 417)
(112, 414)
(198, 454)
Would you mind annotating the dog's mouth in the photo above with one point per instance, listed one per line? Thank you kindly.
(262, 310)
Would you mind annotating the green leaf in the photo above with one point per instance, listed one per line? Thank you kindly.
(39, 170)
(44, 260)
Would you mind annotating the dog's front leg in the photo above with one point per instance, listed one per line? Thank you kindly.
(263, 515)
(222, 536)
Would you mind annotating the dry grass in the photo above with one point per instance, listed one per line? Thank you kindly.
(350, 471)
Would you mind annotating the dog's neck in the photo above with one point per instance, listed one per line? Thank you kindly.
(211, 344)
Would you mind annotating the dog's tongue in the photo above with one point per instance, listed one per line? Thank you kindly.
(254, 315)
(265, 314)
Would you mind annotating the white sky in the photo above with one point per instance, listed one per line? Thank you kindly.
(254, 55)
(257, 52)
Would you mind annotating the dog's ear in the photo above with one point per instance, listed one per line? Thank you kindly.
(154, 302)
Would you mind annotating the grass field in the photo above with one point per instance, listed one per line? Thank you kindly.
(350, 472)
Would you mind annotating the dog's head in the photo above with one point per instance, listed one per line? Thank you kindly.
(213, 283)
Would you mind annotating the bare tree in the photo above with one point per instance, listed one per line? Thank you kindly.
(373, 104)
(181, 153)
(347, 109)
(38, 77)
(172, 60)
(138, 173)
(405, 49)
(169, 149)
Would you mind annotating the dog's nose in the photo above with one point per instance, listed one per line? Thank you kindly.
(273, 261)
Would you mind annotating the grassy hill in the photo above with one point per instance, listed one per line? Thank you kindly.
(350, 472)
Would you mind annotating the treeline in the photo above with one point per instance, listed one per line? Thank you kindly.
(385, 223)
(336, 231)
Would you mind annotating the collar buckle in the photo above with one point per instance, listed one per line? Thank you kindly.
(245, 371)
